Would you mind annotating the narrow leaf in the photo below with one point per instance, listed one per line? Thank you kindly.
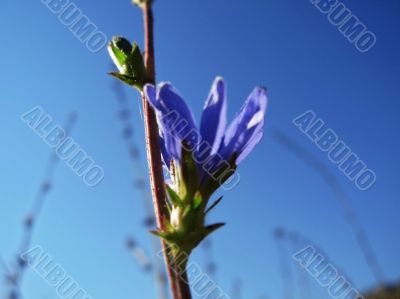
(124, 78)
(213, 227)
(189, 171)
(163, 235)
(173, 196)
(197, 200)
(214, 205)
(136, 63)
(131, 81)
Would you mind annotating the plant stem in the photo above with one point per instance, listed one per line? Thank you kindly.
(179, 288)
(180, 259)
(183, 284)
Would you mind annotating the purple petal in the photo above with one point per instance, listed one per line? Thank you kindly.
(151, 95)
(213, 119)
(248, 148)
(174, 117)
(246, 129)
(164, 153)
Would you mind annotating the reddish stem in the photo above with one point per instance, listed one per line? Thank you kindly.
(179, 291)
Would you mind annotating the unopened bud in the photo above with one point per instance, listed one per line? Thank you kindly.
(176, 217)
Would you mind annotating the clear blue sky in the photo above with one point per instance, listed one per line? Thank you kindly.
(287, 46)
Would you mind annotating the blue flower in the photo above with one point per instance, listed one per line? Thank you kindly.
(214, 143)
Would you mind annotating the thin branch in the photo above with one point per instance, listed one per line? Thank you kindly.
(5, 266)
(284, 265)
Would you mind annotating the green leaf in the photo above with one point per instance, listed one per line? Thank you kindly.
(189, 171)
(169, 208)
(186, 212)
(132, 81)
(159, 233)
(173, 196)
(209, 230)
(125, 78)
(213, 227)
(167, 236)
(168, 225)
(197, 200)
(135, 62)
(222, 175)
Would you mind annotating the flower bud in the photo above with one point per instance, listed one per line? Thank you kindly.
(176, 217)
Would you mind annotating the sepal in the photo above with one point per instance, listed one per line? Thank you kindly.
(173, 196)
(188, 175)
(221, 175)
(213, 227)
(132, 81)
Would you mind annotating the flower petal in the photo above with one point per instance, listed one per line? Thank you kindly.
(151, 95)
(213, 119)
(248, 148)
(246, 129)
(164, 153)
(174, 117)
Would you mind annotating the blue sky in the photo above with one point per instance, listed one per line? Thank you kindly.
(287, 46)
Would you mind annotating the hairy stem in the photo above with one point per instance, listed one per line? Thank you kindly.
(178, 289)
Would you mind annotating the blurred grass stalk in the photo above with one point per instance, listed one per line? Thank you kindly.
(284, 264)
(296, 239)
(15, 277)
(340, 195)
